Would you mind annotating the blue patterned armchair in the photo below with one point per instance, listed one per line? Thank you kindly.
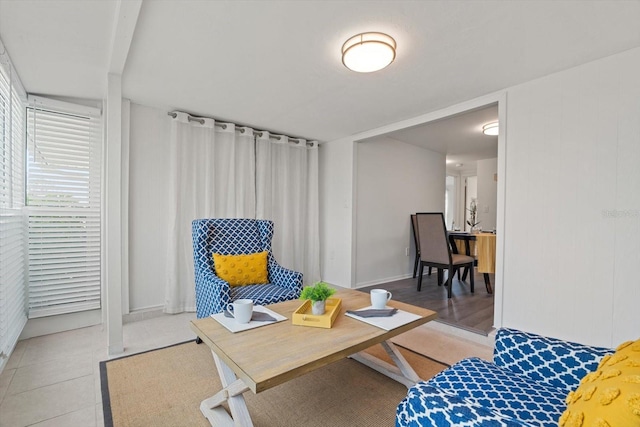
(526, 385)
(235, 237)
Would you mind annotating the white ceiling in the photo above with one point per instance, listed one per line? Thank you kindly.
(459, 137)
(276, 64)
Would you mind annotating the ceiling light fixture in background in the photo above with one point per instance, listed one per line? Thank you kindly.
(490, 129)
(368, 52)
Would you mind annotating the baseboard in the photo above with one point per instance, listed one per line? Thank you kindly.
(381, 281)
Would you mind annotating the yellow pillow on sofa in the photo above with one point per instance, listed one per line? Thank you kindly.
(240, 270)
(610, 395)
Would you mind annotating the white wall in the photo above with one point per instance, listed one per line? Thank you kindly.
(470, 188)
(460, 208)
(336, 168)
(393, 181)
(148, 229)
(572, 223)
(487, 193)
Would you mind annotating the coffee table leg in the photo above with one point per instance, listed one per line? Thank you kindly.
(231, 393)
(400, 361)
(401, 372)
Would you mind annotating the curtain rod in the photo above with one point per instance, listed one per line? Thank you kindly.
(238, 128)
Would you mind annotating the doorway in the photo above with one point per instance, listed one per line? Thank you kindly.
(457, 159)
(451, 196)
(470, 202)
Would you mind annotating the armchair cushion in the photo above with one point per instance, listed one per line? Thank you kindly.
(266, 294)
(501, 392)
(242, 269)
(429, 406)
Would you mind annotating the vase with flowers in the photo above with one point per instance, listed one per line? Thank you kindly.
(473, 212)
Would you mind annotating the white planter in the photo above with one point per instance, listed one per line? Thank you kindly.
(318, 307)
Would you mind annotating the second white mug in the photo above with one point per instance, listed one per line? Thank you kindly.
(242, 309)
(379, 298)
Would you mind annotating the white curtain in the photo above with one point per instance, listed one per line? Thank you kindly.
(287, 194)
(220, 171)
(211, 174)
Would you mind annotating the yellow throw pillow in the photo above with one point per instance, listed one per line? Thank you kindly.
(610, 395)
(240, 270)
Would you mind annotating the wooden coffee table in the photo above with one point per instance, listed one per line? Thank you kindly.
(264, 357)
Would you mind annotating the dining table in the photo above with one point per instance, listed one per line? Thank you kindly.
(481, 246)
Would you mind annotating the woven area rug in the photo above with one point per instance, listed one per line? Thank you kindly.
(164, 387)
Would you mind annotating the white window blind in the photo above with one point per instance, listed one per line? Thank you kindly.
(13, 252)
(64, 150)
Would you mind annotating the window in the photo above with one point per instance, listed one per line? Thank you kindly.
(12, 226)
(450, 202)
(64, 151)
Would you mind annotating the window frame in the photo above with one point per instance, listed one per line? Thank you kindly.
(77, 283)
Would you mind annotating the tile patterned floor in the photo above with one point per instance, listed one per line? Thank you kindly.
(54, 380)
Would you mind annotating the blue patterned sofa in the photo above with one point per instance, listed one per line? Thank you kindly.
(526, 385)
(237, 236)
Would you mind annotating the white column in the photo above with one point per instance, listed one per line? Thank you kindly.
(114, 214)
(124, 173)
(117, 175)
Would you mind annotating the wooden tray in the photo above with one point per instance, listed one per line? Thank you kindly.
(303, 317)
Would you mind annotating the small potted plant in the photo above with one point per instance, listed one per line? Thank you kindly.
(318, 295)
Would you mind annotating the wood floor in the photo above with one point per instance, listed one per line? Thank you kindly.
(473, 312)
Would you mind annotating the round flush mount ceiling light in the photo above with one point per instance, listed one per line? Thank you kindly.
(490, 129)
(368, 52)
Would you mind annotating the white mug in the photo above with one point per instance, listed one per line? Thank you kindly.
(379, 298)
(242, 309)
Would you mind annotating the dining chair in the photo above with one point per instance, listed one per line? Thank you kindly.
(416, 238)
(464, 243)
(416, 241)
(435, 250)
(414, 228)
